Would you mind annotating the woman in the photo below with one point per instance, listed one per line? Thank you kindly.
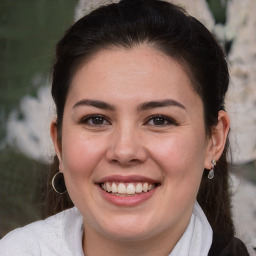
(140, 137)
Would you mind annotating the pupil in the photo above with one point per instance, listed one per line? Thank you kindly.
(97, 120)
(158, 121)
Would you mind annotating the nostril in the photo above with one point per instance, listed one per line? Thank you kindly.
(125, 162)
(135, 161)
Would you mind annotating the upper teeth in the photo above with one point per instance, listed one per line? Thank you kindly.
(127, 188)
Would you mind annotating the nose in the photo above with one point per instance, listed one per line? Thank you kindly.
(126, 147)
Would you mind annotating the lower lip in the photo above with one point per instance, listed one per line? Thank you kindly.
(127, 200)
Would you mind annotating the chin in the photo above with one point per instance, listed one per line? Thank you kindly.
(126, 234)
(128, 229)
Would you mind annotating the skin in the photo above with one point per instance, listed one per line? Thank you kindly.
(128, 140)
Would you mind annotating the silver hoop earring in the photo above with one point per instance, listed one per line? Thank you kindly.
(58, 183)
(211, 172)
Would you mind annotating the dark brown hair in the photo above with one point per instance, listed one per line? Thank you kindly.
(171, 30)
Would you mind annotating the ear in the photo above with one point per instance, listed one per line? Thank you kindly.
(56, 143)
(217, 139)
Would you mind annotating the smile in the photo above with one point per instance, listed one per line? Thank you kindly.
(127, 189)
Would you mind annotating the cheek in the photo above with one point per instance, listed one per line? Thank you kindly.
(81, 153)
(181, 159)
(180, 154)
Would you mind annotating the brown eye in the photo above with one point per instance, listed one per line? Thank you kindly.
(95, 120)
(160, 121)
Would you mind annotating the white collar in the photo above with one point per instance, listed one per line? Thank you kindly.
(197, 239)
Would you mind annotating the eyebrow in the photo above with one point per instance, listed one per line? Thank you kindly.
(159, 104)
(94, 103)
(142, 107)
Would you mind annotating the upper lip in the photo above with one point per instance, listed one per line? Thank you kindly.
(127, 179)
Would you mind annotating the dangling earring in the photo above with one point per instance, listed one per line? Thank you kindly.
(58, 183)
(211, 172)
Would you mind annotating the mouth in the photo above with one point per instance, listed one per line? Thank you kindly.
(128, 188)
(127, 191)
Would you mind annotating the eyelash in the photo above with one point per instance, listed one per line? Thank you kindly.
(88, 120)
(167, 120)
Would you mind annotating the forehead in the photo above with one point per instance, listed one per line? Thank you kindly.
(141, 71)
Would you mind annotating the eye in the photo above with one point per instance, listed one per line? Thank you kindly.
(95, 120)
(160, 120)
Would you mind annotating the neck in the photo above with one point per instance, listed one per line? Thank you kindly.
(161, 244)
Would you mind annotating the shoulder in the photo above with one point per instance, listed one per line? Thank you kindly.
(224, 245)
(19, 242)
(54, 234)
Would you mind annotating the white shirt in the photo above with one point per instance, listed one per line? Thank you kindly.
(61, 235)
(58, 235)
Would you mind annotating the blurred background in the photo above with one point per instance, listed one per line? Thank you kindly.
(29, 31)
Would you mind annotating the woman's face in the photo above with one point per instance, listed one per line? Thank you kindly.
(133, 146)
